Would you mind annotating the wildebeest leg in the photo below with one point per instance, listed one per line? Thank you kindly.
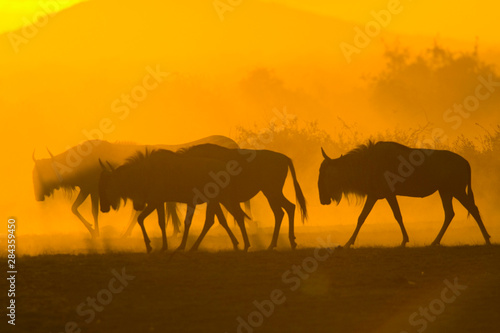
(393, 202)
(148, 210)
(94, 199)
(209, 221)
(468, 202)
(161, 221)
(239, 217)
(187, 225)
(74, 208)
(172, 212)
(278, 218)
(132, 223)
(290, 210)
(447, 200)
(370, 202)
(223, 222)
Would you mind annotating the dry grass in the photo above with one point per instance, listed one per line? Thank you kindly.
(356, 290)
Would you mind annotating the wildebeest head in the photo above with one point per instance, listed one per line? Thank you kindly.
(329, 181)
(109, 194)
(46, 177)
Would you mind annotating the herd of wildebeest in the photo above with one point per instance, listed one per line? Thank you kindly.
(215, 171)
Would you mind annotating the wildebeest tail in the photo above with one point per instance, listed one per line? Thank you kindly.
(248, 209)
(171, 209)
(470, 194)
(298, 192)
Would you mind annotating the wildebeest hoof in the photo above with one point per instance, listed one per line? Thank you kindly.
(126, 234)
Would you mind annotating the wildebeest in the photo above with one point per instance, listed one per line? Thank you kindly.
(257, 171)
(150, 179)
(384, 170)
(78, 167)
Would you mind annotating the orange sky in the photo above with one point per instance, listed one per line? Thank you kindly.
(60, 82)
(458, 20)
(15, 13)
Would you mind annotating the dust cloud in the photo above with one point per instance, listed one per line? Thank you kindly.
(270, 75)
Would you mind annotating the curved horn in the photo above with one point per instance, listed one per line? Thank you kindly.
(52, 156)
(33, 156)
(110, 166)
(103, 166)
(324, 154)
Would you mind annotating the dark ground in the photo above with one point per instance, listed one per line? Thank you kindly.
(354, 290)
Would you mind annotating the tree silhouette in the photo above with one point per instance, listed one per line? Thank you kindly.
(430, 82)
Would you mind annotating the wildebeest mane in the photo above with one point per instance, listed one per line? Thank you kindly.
(356, 168)
(138, 157)
(205, 147)
(141, 156)
(360, 149)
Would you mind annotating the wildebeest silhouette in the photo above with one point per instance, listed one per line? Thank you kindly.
(384, 170)
(78, 167)
(152, 178)
(258, 171)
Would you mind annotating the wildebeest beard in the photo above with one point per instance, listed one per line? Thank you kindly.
(45, 180)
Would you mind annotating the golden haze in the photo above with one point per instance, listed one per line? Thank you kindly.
(62, 78)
